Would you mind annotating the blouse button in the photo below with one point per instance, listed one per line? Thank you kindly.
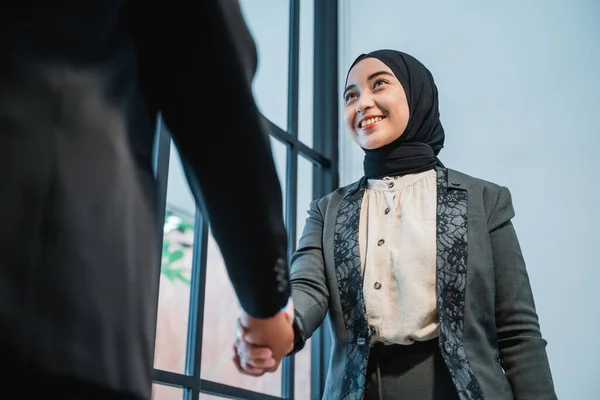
(387, 210)
(380, 242)
(377, 285)
(391, 185)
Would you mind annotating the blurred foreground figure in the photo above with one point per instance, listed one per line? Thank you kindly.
(81, 85)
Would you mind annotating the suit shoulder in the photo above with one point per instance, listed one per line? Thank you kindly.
(473, 183)
(481, 191)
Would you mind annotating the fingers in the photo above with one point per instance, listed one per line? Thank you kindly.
(267, 331)
(250, 359)
(246, 369)
(254, 356)
(253, 365)
(248, 350)
(240, 331)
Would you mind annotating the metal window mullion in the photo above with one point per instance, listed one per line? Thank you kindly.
(282, 136)
(287, 375)
(232, 392)
(293, 68)
(315, 157)
(325, 140)
(173, 378)
(160, 167)
(197, 299)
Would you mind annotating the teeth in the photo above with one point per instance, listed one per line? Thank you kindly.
(370, 121)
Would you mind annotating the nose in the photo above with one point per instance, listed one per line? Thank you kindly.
(364, 103)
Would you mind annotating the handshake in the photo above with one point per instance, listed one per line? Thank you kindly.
(260, 344)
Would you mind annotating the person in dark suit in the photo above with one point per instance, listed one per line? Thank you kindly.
(81, 86)
(418, 265)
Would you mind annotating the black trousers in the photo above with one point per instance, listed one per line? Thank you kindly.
(412, 372)
(32, 384)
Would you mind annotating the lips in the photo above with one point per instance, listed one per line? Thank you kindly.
(370, 122)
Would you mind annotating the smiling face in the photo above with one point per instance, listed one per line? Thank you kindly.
(376, 108)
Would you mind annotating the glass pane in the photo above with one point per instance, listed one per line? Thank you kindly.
(302, 373)
(164, 392)
(305, 196)
(179, 196)
(220, 312)
(279, 151)
(174, 296)
(205, 396)
(305, 89)
(305, 193)
(268, 21)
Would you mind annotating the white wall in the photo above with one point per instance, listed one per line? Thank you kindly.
(519, 92)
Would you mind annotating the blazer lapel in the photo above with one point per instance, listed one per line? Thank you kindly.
(349, 279)
(452, 261)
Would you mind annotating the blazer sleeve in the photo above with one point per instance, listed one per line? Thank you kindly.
(522, 348)
(308, 280)
(199, 73)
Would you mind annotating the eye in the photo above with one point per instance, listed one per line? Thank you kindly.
(378, 83)
(349, 96)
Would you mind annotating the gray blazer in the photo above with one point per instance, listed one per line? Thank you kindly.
(489, 332)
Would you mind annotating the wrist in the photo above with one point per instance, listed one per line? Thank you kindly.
(288, 310)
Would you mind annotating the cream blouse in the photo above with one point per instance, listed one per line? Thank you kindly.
(397, 237)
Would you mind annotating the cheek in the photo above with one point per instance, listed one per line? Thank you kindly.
(405, 117)
(404, 114)
(349, 120)
(400, 120)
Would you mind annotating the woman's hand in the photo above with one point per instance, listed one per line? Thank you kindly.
(251, 359)
(261, 344)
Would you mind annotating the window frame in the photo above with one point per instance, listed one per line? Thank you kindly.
(323, 154)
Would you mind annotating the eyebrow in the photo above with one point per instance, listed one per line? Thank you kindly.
(372, 76)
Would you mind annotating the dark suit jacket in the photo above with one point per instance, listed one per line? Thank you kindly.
(489, 332)
(81, 84)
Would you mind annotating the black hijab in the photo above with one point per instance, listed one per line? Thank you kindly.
(417, 148)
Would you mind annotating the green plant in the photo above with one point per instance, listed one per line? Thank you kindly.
(174, 251)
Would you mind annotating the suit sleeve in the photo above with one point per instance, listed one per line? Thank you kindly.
(309, 284)
(522, 348)
(204, 61)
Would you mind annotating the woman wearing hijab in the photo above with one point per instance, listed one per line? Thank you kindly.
(418, 265)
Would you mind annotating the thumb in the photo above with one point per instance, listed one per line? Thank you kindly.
(254, 337)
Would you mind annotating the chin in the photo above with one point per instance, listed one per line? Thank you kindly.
(368, 146)
(373, 140)
(371, 144)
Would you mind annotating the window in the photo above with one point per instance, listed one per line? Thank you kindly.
(197, 305)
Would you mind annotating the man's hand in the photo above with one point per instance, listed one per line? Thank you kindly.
(261, 344)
